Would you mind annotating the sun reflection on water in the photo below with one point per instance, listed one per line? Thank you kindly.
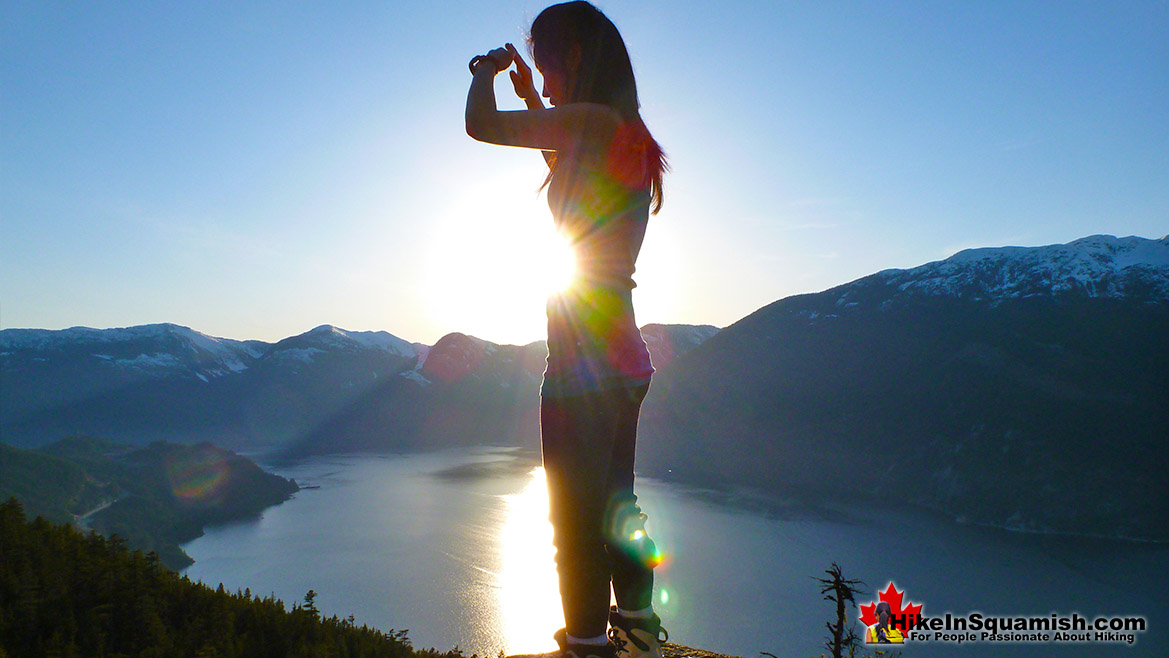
(529, 597)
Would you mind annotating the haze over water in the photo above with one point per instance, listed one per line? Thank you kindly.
(454, 546)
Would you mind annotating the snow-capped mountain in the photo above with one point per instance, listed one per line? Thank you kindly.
(1023, 387)
(80, 380)
(329, 339)
(165, 381)
(160, 349)
(1095, 266)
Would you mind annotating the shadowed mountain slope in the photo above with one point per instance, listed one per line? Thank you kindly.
(1027, 388)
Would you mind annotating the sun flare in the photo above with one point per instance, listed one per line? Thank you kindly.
(492, 263)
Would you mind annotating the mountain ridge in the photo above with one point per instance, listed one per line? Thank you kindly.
(1078, 267)
(995, 374)
(1040, 412)
(166, 381)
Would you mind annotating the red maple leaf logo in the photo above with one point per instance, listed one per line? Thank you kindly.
(891, 596)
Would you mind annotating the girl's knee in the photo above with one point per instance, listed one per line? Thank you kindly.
(625, 534)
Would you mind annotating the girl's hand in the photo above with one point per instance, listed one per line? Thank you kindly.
(501, 58)
(521, 77)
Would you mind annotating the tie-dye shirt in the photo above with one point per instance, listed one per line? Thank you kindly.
(601, 205)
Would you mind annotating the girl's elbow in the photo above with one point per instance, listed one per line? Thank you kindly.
(474, 130)
(482, 131)
(477, 127)
(483, 126)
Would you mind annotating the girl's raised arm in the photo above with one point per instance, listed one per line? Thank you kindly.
(566, 127)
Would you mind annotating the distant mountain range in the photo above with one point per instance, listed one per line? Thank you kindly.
(172, 383)
(326, 390)
(1025, 387)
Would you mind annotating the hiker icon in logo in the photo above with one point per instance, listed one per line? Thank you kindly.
(887, 621)
(882, 632)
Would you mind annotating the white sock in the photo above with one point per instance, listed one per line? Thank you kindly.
(644, 613)
(598, 641)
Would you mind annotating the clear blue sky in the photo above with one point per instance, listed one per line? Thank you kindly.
(253, 170)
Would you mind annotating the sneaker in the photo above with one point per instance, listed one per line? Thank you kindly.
(636, 638)
(582, 650)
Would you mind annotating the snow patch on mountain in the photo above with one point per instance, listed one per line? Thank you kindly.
(150, 361)
(302, 354)
(164, 346)
(370, 340)
(1095, 266)
(423, 351)
(416, 377)
(329, 339)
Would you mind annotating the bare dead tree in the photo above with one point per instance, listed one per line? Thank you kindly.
(842, 635)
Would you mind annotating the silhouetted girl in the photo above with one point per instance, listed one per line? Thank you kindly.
(604, 180)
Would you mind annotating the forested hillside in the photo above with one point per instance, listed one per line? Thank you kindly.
(84, 596)
(155, 498)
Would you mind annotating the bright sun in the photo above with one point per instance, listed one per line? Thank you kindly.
(557, 261)
(493, 260)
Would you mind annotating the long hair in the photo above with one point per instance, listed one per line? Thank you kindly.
(604, 74)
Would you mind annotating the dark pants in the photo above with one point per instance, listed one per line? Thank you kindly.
(598, 529)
